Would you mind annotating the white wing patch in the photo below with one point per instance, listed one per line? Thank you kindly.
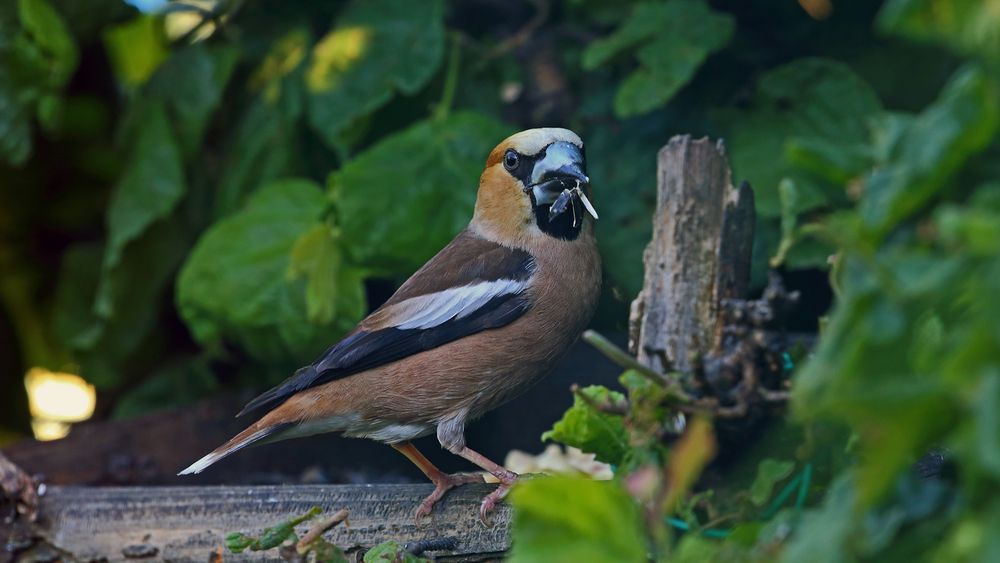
(435, 309)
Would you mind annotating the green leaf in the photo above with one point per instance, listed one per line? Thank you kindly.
(37, 59)
(671, 39)
(149, 190)
(132, 295)
(271, 537)
(823, 532)
(317, 257)
(403, 199)
(813, 106)
(921, 154)
(177, 383)
(378, 48)
(259, 150)
(769, 472)
(594, 432)
(391, 552)
(136, 48)
(235, 286)
(564, 519)
(191, 83)
(46, 29)
(15, 123)
(970, 27)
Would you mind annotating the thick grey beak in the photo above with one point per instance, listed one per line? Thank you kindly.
(561, 168)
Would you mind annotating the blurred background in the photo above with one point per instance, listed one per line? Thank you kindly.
(198, 197)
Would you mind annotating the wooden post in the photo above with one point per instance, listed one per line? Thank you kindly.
(698, 256)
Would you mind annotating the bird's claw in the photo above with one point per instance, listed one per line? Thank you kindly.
(490, 501)
(442, 486)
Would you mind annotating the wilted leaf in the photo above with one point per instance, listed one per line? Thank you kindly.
(564, 519)
(378, 47)
(769, 472)
(687, 458)
(672, 40)
(592, 431)
(403, 199)
(235, 287)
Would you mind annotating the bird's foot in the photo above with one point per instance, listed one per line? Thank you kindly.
(507, 480)
(441, 486)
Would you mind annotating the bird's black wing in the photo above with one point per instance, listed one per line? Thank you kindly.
(470, 286)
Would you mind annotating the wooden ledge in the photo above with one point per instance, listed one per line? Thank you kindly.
(189, 523)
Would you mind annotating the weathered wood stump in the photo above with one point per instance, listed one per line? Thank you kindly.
(698, 257)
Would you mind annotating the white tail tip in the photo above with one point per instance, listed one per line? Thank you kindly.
(201, 464)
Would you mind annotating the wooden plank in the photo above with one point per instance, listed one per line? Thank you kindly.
(189, 523)
(698, 256)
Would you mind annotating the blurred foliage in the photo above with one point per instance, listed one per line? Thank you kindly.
(905, 203)
(200, 200)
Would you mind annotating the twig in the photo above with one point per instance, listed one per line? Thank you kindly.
(522, 36)
(450, 78)
(621, 357)
(319, 529)
(625, 360)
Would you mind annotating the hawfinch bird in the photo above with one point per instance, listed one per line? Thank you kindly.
(482, 321)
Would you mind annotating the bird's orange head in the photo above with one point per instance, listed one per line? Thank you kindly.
(535, 185)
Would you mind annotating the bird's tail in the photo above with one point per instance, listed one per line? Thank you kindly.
(250, 436)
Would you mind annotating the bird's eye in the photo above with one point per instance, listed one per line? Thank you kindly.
(511, 160)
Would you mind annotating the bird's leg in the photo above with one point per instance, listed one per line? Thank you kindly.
(507, 479)
(443, 482)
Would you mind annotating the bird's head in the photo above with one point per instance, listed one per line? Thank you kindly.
(535, 184)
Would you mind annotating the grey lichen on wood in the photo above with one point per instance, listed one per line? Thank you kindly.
(190, 523)
(698, 256)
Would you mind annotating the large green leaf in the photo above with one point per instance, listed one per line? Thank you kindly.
(920, 155)
(45, 29)
(812, 112)
(378, 47)
(149, 190)
(191, 83)
(563, 519)
(260, 148)
(402, 200)
(969, 26)
(37, 59)
(671, 41)
(584, 427)
(235, 284)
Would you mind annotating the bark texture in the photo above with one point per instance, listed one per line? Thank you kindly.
(699, 256)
